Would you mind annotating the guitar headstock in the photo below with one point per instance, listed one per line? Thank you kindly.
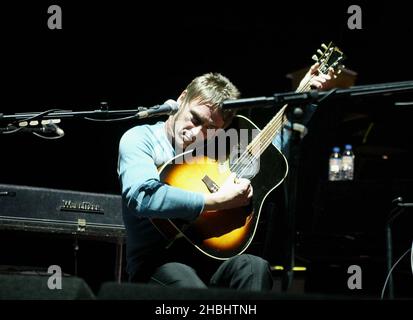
(331, 57)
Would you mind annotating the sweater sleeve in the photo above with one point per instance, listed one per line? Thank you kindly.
(142, 191)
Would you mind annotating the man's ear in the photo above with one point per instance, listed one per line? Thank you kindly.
(182, 97)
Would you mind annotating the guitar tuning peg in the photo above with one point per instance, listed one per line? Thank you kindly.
(324, 46)
(314, 57)
(319, 52)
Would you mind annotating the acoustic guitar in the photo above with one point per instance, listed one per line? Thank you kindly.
(226, 233)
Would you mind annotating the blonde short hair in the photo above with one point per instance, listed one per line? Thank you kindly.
(213, 88)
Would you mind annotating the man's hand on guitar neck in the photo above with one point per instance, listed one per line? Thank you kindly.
(318, 80)
(232, 194)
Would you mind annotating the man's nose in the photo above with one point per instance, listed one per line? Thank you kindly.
(195, 131)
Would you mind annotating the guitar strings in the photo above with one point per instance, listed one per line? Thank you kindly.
(263, 138)
(258, 147)
(262, 141)
(274, 126)
(275, 123)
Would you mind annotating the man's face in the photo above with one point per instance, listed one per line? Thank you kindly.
(194, 122)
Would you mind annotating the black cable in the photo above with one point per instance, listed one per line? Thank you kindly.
(15, 129)
(6, 130)
(41, 114)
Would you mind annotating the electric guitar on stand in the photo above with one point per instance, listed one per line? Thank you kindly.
(226, 233)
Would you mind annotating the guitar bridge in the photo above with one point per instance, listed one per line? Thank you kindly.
(210, 184)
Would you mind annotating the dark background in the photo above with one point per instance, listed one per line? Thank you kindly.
(139, 54)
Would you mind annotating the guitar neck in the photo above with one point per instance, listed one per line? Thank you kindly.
(330, 58)
(273, 128)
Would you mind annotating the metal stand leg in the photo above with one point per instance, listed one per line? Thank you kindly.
(119, 259)
(75, 251)
(389, 258)
(291, 197)
(396, 211)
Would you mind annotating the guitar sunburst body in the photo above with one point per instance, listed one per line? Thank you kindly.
(221, 234)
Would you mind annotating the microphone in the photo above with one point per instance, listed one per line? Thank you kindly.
(46, 128)
(52, 127)
(169, 107)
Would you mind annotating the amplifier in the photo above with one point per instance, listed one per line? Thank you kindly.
(85, 214)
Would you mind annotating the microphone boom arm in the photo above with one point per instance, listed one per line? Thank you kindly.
(314, 96)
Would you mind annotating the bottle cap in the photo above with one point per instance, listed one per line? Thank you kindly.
(348, 147)
(336, 149)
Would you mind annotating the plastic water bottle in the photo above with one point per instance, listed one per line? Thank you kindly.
(348, 163)
(335, 165)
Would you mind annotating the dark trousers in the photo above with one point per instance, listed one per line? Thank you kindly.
(247, 272)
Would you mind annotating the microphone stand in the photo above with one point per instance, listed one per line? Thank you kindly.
(298, 130)
(103, 112)
(279, 99)
(28, 122)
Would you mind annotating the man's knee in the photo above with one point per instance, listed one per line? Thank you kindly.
(177, 275)
(179, 269)
(251, 261)
(245, 271)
